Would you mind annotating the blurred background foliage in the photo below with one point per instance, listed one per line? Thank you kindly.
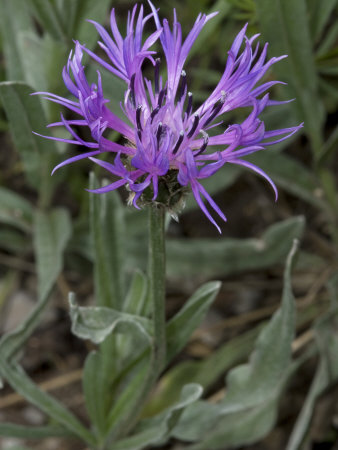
(45, 237)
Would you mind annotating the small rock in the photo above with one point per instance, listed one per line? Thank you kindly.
(33, 416)
(20, 304)
(10, 444)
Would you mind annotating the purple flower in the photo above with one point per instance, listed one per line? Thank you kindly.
(168, 147)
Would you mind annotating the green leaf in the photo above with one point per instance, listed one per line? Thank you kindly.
(84, 10)
(14, 18)
(328, 41)
(204, 372)
(151, 431)
(320, 13)
(27, 432)
(96, 323)
(25, 115)
(129, 391)
(141, 439)
(107, 227)
(327, 371)
(98, 376)
(24, 386)
(15, 210)
(136, 298)
(249, 408)
(284, 24)
(50, 18)
(208, 257)
(223, 9)
(181, 326)
(51, 234)
(43, 59)
(319, 384)
(209, 370)
(223, 257)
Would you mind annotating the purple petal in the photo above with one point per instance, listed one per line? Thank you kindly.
(195, 189)
(108, 188)
(75, 158)
(251, 166)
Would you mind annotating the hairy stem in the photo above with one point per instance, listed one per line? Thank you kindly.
(157, 283)
(158, 350)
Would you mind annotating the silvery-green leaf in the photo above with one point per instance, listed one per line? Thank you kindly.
(25, 115)
(30, 432)
(50, 18)
(205, 258)
(24, 386)
(249, 408)
(285, 25)
(43, 58)
(14, 18)
(97, 322)
(107, 231)
(182, 325)
(15, 210)
(156, 429)
(135, 301)
(319, 14)
(14, 241)
(99, 372)
(327, 371)
(140, 440)
(216, 257)
(204, 372)
(79, 12)
(51, 233)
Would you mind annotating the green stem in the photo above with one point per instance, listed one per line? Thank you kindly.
(157, 282)
(158, 350)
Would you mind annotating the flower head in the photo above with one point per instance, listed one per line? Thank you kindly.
(168, 147)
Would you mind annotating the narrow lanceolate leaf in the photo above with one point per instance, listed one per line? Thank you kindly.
(15, 210)
(25, 115)
(49, 18)
(108, 243)
(327, 371)
(98, 377)
(204, 372)
(141, 440)
(284, 24)
(208, 257)
(28, 432)
(249, 408)
(24, 386)
(14, 18)
(223, 9)
(153, 430)
(51, 234)
(182, 325)
(77, 13)
(135, 301)
(320, 13)
(98, 324)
